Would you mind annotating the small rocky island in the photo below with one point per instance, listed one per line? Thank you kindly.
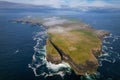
(71, 41)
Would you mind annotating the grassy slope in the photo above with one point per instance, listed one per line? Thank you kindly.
(52, 54)
(51, 49)
(77, 44)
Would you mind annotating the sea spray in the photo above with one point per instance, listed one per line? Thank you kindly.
(108, 53)
(39, 65)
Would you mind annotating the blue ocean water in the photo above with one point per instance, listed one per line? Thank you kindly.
(17, 44)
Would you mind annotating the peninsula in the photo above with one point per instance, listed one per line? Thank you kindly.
(71, 41)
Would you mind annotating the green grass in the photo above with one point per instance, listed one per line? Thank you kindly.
(51, 50)
(77, 44)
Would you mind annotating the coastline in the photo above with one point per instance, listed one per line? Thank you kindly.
(76, 67)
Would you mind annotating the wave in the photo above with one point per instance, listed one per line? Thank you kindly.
(39, 65)
(109, 54)
(17, 51)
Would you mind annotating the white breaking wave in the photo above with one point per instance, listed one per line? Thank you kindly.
(39, 65)
(17, 51)
(109, 53)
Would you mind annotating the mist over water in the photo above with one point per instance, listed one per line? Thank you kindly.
(23, 50)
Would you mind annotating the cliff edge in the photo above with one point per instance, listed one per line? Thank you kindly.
(71, 41)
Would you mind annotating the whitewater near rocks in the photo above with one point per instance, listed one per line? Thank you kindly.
(64, 29)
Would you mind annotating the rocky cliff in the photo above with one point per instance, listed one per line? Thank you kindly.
(71, 41)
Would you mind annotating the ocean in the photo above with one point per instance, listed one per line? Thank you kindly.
(22, 46)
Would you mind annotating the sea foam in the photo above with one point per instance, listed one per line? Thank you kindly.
(39, 65)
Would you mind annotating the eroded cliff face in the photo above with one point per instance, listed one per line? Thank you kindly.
(55, 56)
(71, 41)
(77, 44)
(89, 66)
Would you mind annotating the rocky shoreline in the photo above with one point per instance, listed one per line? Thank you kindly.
(29, 20)
(62, 26)
(79, 69)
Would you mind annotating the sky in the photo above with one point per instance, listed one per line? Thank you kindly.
(71, 3)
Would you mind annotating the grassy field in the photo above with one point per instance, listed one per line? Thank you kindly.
(78, 44)
(52, 54)
(51, 49)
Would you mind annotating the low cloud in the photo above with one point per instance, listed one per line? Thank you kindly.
(70, 3)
